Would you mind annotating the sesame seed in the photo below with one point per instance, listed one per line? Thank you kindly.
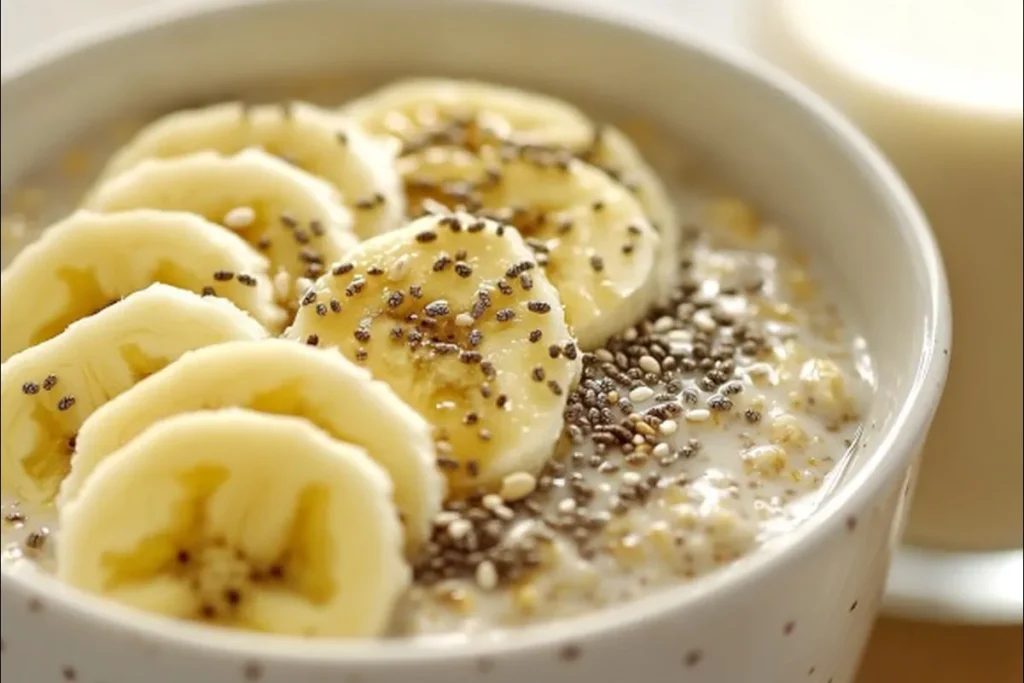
(486, 575)
(398, 270)
(459, 528)
(650, 364)
(704, 322)
(641, 394)
(517, 486)
(239, 218)
(282, 284)
(698, 415)
(631, 478)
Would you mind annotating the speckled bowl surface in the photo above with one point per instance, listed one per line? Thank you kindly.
(799, 609)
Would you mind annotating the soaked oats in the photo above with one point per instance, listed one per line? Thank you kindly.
(715, 424)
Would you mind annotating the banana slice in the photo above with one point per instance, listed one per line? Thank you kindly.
(452, 313)
(427, 112)
(49, 390)
(293, 217)
(293, 379)
(360, 167)
(615, 154)
(589, 234)
(243, 520)
(89, 260)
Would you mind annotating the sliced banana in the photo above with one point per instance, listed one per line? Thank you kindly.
(293, 379)
(452, 313)
(89, 260)
(427, 112)
(589, 234)
(243, 520)
(293, 217)
(49, 390)
(359, 166)
(615, 154)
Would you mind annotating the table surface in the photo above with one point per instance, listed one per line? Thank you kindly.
(899, 651)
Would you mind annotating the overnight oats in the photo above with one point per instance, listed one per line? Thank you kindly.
(449, 358)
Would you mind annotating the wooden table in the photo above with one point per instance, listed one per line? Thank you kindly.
(906, 652)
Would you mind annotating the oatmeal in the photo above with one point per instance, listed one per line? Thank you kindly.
(705, 400)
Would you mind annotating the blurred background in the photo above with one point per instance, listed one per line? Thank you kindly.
(937, 84)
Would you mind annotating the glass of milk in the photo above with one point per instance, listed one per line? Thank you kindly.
(938, 85)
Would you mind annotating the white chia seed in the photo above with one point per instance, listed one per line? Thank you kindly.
(239, 218)
(641, 394)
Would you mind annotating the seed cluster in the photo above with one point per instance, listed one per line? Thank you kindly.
(31, 388)
(305, 235)
(481, 196)
(431, 329)
(221, 578)
(623, 423)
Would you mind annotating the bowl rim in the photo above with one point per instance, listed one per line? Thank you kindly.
(895, 448)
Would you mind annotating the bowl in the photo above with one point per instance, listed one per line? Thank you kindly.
(801, 607)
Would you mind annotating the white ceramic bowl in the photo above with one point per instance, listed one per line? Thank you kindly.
(798, 610)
